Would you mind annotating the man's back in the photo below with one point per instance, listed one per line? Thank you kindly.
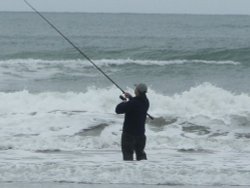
(135, 115)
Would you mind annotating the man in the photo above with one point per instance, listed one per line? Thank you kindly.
(133, 135)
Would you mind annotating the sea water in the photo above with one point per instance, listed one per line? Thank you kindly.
(57, 119)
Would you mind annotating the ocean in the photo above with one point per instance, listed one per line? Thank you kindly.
(57, 118)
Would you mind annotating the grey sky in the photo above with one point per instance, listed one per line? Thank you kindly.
(135, 6)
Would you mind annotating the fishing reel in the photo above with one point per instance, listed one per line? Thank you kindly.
(122, 98)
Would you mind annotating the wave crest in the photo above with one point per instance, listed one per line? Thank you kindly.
(205, 99)
(110, 62)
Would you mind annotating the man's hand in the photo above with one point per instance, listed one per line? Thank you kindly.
(123, 98)
(128, 95)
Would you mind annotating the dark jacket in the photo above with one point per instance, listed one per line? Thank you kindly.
(135, 115)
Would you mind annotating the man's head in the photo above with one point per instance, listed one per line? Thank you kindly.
(140, 89)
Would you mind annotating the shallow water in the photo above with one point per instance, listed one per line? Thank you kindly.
(164, 167)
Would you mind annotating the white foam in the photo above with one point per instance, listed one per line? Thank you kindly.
(33, 123)
(32, 64)
(52, 116)
(106, 167)
(204, 99)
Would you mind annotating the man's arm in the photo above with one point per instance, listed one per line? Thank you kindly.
(122, 108)
(125, 105)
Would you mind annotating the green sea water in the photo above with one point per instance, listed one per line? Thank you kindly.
(179, 50)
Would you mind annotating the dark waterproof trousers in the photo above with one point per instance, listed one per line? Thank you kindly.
(131, 144)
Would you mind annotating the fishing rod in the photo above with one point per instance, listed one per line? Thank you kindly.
(78, 49)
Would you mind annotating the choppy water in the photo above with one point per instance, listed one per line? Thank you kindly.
(57, 120)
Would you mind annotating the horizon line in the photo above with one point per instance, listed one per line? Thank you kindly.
(137, 13)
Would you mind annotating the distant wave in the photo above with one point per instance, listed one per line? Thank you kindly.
(111, 62)
(203, 55)
(162, 63)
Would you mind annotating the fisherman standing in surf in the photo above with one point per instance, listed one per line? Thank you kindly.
(133, 135)
(135, 109)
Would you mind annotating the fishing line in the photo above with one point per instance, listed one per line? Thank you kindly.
(78, 49)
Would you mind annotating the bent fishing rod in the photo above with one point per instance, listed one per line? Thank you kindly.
(77, 48)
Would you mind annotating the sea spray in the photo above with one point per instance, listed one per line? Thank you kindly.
(204, 113)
